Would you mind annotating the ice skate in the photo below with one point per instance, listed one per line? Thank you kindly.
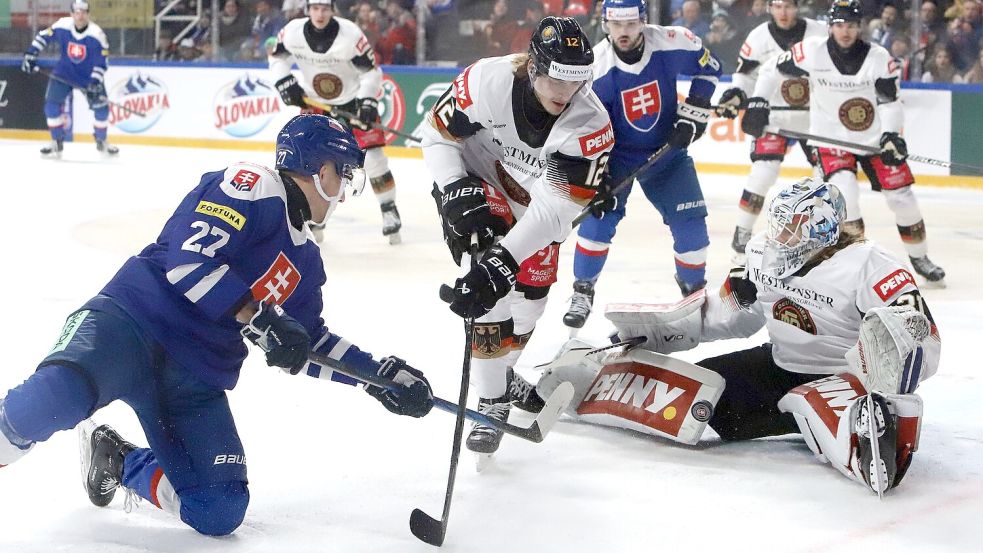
(932, 273)
(580, 304)
(391, 223)
(877, 433)
(53, 149)
(739, 243)
(102, 452)
(106, 148)
(686, 288)
(522, 393)
(484, 440)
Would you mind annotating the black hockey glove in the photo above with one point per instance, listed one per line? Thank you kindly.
(604, 201)
(368, 112)
(285, 341)
(756, 117)
(691, 122)
(415, 399)
(464, 211)
(95, 93)
(290, 91)
(487, 282)
(29, 63)
(894, 149)
(738, 291)
(732, 101)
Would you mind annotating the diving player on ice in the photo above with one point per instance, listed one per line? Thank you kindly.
(337, 67)
(854, 88)
(83, 48)
(844, 318)
(516, 147)
(635, 78)
(165, 335)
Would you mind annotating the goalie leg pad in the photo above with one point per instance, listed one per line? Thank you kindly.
(668, 327)
(573, 365)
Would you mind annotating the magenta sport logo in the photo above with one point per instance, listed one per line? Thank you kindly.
(245, 106)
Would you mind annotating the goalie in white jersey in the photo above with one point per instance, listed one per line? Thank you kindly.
(854, 89)
(845, 321)
(763, 45)
(516, 147)
(337, 66)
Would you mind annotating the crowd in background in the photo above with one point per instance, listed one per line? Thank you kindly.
(460, 31)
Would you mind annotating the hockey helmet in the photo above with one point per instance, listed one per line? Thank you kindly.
(803, 219)
(624, 10)
(79, 6)
(842, 11)
(560, 49)
(329, 3)
(309, 141)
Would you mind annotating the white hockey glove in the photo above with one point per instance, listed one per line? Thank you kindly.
(888, 356)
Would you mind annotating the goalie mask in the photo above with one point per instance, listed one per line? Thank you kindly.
(803, 219)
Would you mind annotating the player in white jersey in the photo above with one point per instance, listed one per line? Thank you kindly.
(763, 44)
(854, 98)
(337, 66)
(516, 147)
(845, 321)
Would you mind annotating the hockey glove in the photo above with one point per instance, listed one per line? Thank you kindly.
(95, 93)
(368, 112)
(464, 211)
(732, 101)
(691, 122)
(290, 91)
(756, 117)
(894, 149)
(285, 341)
(487, 282)
(30, 63)
(604, 201)
(415, 399)
(738, 292)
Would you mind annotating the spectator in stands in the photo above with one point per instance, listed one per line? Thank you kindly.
(166, 49)
(367, 18)
(292, 9)
(975, 73)
(931, 22)
(692, 19)
(884, 29)
(940, 68)
(534, 13)
(723, 41)
(593, 28)
(233, 29)
(901, 49)
(397, 45)
(187, 51)
(498, 32)
(963, 43)
(267, 23)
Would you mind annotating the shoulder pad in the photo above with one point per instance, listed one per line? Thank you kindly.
(585, 130)
(96, 32)
(674, 38)
(250, 181)
(65, 23)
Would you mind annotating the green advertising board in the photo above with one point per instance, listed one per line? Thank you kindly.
(407, 95)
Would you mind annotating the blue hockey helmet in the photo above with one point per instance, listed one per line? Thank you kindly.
(624, 10)
(308, 142)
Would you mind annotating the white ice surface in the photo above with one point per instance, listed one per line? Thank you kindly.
(331, 470)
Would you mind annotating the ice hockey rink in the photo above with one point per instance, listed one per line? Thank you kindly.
(331, 470)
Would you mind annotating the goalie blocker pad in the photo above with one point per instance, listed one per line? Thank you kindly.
(667, 327)
(823, 410)
(639, 390)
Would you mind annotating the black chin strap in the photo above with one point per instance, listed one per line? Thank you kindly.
(298, 209)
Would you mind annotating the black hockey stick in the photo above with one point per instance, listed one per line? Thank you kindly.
(352, 117)
(813, 139)
(655, 157)
(535, 432)
(127, 109)
(719, 110)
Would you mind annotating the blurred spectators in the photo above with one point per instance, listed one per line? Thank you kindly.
(901, 49)
(939, 68)
(975, 73)
(292, 9)
(534, 13)
(234, 28)
(723, 41)
(187, 51)
(883, 29)
(266, 24)
(397, 45)
(692, 18)
(367, 18)
(502, 24)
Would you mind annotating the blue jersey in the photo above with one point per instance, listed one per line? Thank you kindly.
(641, 97)
(83, 54)
(230, 241)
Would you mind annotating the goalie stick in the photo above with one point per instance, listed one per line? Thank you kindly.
(535, 432)
(352, 117)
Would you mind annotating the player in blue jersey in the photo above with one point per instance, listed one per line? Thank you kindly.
(166, 334)
(83, 47)
(635, 76)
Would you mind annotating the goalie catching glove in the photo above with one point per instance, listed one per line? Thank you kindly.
(285, 341)
(415, 399)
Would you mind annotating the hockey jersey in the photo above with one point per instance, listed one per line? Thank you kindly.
(229, 241)
(475, 130)
(641, 97)
(83, 54)
(766, 42)
(814, 318)
(342, 73)
(849, 104)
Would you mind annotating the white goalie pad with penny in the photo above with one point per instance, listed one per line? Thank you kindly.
(638, 390)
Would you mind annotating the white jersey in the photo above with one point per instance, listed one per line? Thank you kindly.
(853, 105)
(335, 72)
(813, 319)
(765, 43)
(545, 180)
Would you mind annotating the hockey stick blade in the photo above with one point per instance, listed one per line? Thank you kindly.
(426, 528)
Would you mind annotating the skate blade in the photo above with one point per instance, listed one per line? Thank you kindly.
(395, 239)
(482, 461)
(85, 430)
(573, 332)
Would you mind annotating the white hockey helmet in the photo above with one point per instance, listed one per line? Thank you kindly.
(803, 219)
(79, 5)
